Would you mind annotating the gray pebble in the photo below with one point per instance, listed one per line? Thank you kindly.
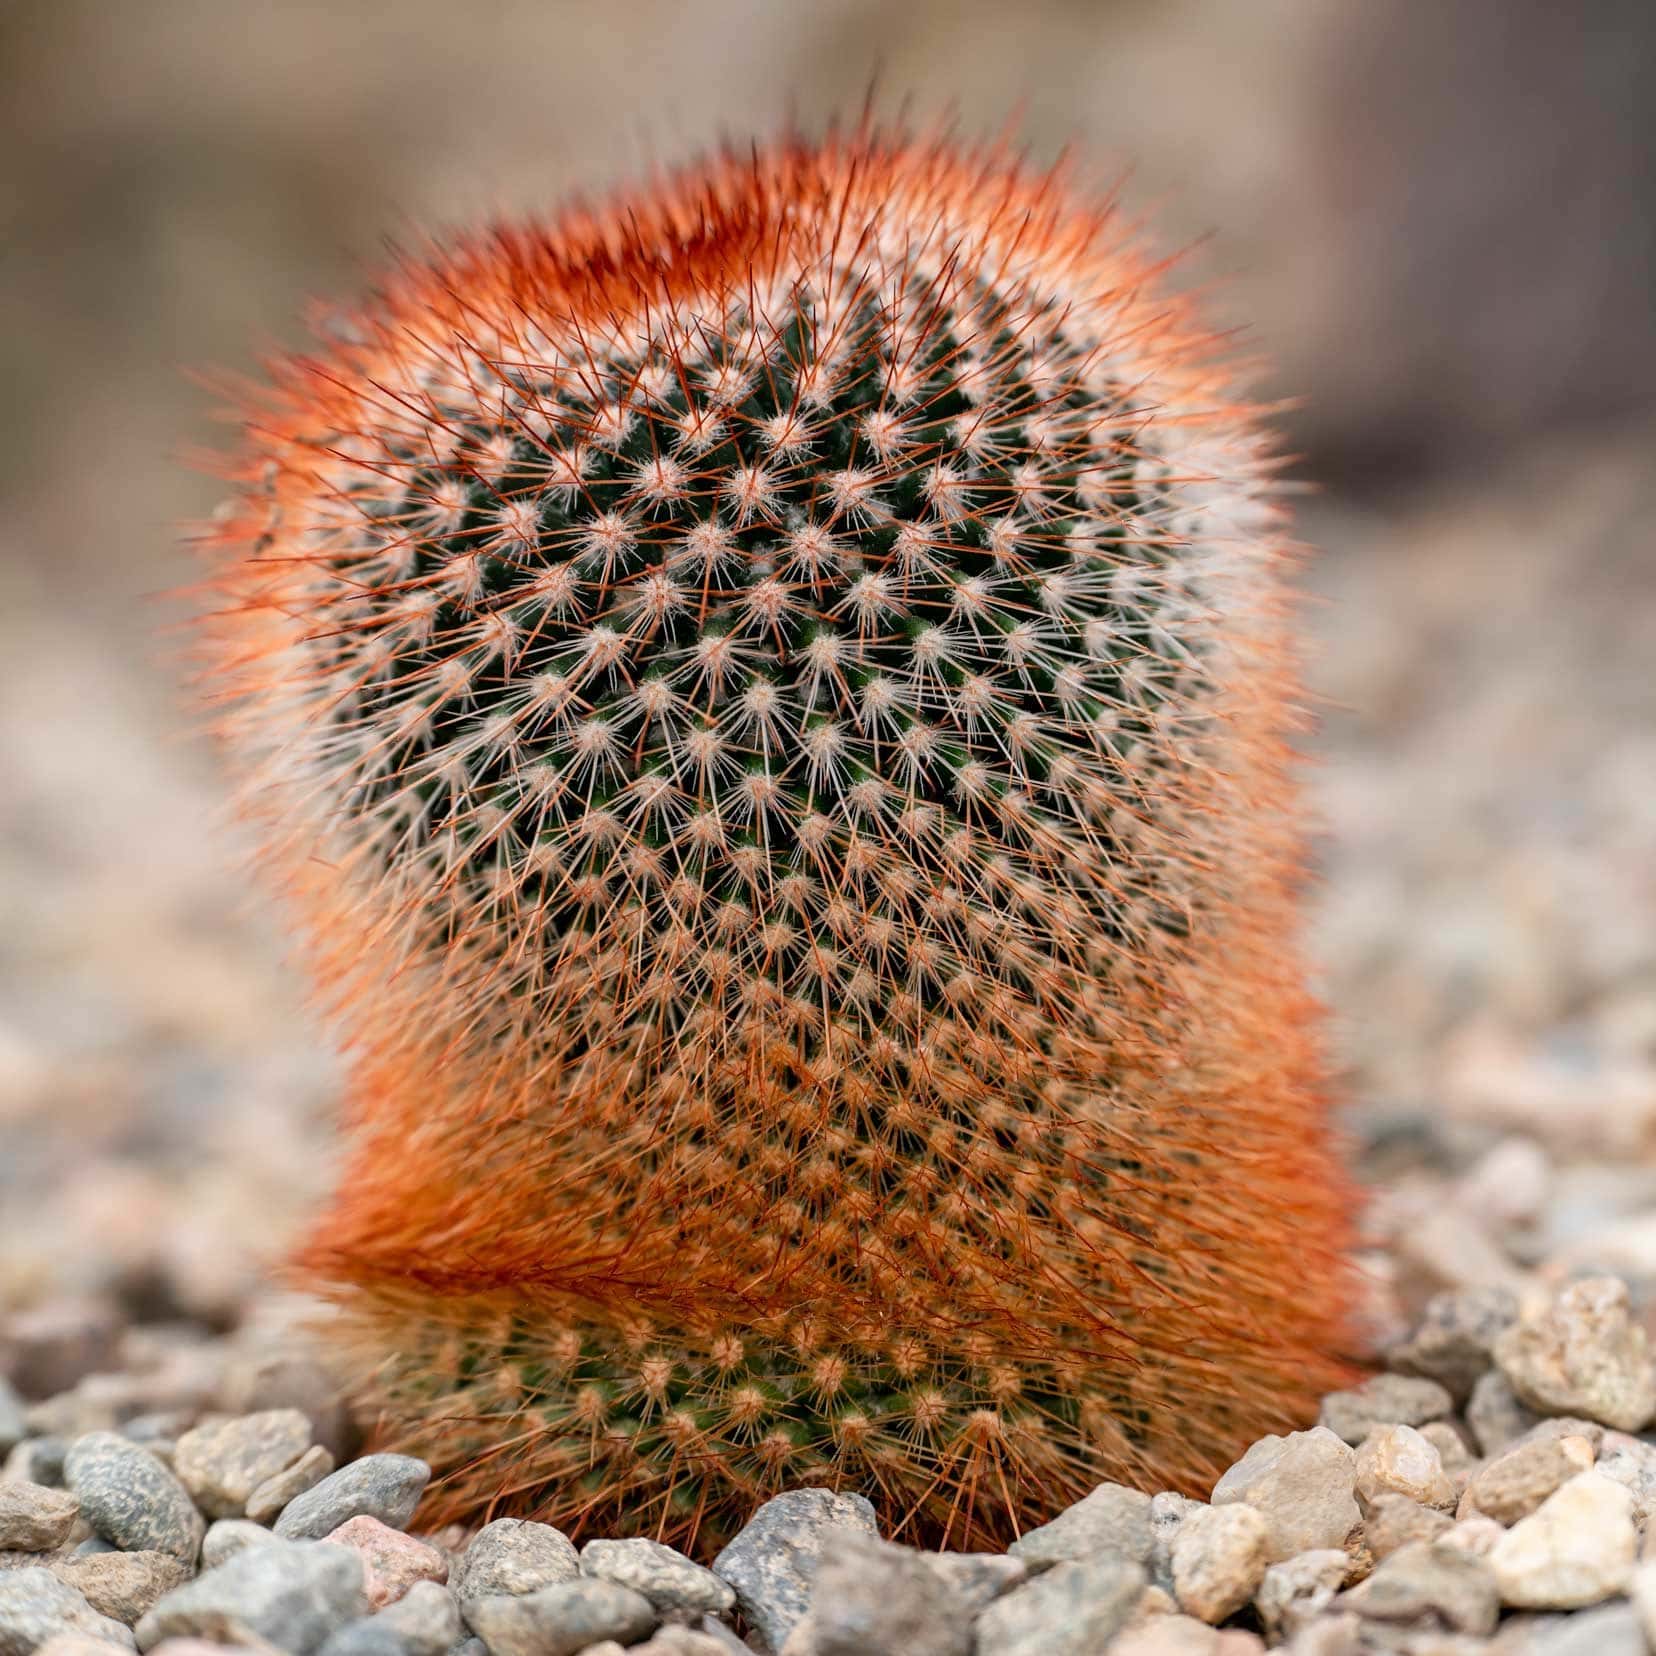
(1455, 1341)
(1495, 1415)
(668, 1579)
(1303, 1486)
(1113, 1519)
(228, 1536)
(364, 1638)
(561, 1620)
(425, 1618)
(266, 1501)
(871, 1595)
(223, 1462)
(37, 1460)
(93, 1545)
(12, 1427)
(387, 1487)
(291, 1596)
(1386, 1400)
(976, 1579)
(122, 1584)
(1295, 1592)
(34, 1518)
(514, 1555)
(1073, 1609)
(1423, 1579)
(771, 1564)
(34, 1605)
(130, 1498)
(1609, 1630)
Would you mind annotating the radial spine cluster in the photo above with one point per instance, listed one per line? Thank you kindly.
(769, 702)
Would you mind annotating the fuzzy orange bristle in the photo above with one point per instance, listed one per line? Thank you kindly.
(771, 700)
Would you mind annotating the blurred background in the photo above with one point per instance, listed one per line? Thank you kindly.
(1437, 224)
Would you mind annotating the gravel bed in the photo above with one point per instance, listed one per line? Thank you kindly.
(1491, 1489)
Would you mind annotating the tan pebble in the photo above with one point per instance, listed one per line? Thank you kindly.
(1398, 1460)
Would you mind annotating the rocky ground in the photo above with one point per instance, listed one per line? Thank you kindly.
(178, 1470)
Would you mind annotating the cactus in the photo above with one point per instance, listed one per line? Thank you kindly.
(770, 701)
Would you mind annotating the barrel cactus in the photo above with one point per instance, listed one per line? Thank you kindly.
(770, 702)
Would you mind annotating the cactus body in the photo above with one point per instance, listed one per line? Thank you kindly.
(770, 702)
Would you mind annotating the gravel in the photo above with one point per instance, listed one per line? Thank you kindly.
(1112, 1519)
(34, 1605)
(292, 1596)
(131, 1499)
(387, 1487)
(1302, 1484)
(122, 1585)
(772, 1563)
(514, 1555)
(669, 1580)
(1417, 1532)
(561, 1620)
(1072, 1609)
(223, 1462)
(1576, 1549)
(1219, 1556)
(34, 1518)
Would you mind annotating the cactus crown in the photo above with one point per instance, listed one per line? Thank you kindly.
(769, 700)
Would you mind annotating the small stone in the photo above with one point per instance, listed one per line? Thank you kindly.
(1456, 1458)
(1219, 1558)
(1476, 1535)
(261, 1380)
(772, 1562)
(426, 1619)
(1072, 1609)
(45, 1349)
(85, 1644)
(34, 1605)
(671, 1641)
(514, 1555)
(1298, 1589)
(13, 1427)
(1422, 1579)
(363, 1638)
(34, 1518)
(223, 1462)
(1166, 1636)
(1611, 1630)
(1386, 1400)
(1514, 1484)
(1454, 1343)
(870, 1595)
(391, 1561)
(130, 1498)
(1631, 1462)
(267, 1501)
(1337, 1635)
(976, 1579)
(228, 1536)
(668, 1579)
(36, 1460)
(560, 1620)
(1167, 1511)
(291, 1596)
(1397, 1460)
(1576, 1549)
(1642, 1591)
(1584, 1355)
(387, 1487)
(1394, 1521)
(1495, 1415)
(1303, 1485)
(1113, 1519)
(1238, 1641)
(122, 1584)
